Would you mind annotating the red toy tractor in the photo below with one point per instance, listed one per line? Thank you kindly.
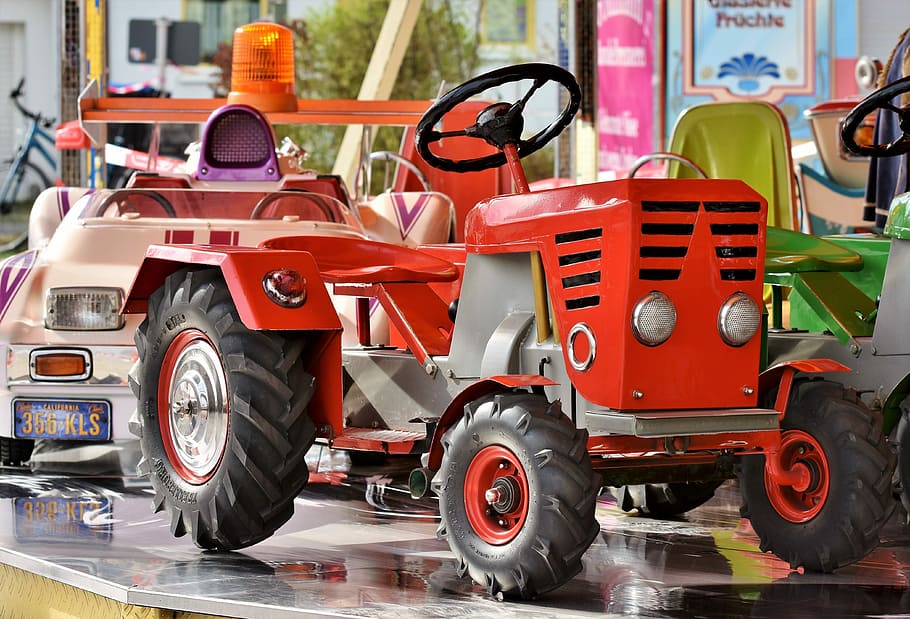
(581, 337)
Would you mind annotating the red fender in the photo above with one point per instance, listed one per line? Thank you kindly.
(243, 269)
(781, 376)
(477, 390)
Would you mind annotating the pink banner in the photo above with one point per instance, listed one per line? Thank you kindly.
(625, 73)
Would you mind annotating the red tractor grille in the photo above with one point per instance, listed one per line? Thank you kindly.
(667, 228)
(579, 256)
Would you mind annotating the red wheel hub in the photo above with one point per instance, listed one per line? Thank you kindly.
(496, 495)
(804, 496)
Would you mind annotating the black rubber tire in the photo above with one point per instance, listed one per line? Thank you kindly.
(859, 499)
(664, 500)
(562, 491)
(15, 451)
(902, 470)
(34, 181)
(262, 469)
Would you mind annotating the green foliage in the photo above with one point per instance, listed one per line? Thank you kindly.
(334, 47)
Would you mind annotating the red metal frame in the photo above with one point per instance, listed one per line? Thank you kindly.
(309, 111)
(243, 269)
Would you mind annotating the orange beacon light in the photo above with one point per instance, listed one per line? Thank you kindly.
(262, 75)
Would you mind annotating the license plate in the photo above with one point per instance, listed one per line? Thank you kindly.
(55, 519)
(83, 420)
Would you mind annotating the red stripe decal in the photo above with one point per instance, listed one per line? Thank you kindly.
(224, 237)
(179, 236)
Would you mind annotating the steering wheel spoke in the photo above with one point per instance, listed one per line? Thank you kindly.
(500, 123)
(881, 99)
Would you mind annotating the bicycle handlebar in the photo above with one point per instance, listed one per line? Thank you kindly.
(45, 122)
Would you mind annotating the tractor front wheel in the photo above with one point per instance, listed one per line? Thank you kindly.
(517, 494)
(221, 414)
(830, 511)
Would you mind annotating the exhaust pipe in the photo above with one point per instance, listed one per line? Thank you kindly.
(419, 482)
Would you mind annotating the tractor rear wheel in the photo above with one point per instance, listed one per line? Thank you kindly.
(833, 516)
(517, 494)
(221, 414)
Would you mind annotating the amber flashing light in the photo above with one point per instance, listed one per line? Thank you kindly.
(262, 72)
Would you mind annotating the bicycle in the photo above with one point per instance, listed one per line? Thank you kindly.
(22, 179)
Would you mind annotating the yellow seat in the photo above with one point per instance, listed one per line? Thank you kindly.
(745, 140)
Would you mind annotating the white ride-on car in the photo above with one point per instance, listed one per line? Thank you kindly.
(67, 347)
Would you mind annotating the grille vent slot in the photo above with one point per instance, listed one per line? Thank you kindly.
(667, 228)
(580, 266)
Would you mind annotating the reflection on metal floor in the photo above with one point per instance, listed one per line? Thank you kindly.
(358, 546)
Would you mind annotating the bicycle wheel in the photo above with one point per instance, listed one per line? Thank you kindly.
(26, 183)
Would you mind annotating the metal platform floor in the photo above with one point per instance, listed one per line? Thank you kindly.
(359, 546)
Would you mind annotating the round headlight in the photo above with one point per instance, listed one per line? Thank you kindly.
(738, 319)
(653, 318)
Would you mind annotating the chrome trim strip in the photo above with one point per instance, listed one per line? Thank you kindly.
(110, 365)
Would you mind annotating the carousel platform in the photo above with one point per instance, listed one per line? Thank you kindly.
(358, 546)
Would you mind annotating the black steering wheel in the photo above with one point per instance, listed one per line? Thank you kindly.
(880, 99)
(121, 197)
(500, 123)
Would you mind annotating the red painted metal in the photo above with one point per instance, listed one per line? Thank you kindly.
(322, 360)
(243, 268)
(628, 462)
(360, 261)
(492, 465)
(363, 321)
(180, 342)
(513, 161)
(608, 221)
(474, 391)
(309, 111)
(797, 477)
(636, 446)
(395, 442)
(781, 377)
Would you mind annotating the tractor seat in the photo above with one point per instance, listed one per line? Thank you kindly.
(788, 252)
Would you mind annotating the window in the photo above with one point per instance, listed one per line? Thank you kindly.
(507, 22)
(219, 19)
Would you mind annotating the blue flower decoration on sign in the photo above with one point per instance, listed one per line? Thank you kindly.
(747, 69)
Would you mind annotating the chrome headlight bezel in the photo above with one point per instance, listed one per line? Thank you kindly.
(738, 319)
(653, 319)
(83, 308)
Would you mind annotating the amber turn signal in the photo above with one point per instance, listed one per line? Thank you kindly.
(50, 364)
(262, 73)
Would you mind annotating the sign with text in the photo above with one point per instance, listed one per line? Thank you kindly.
(754, 49)
(625, 76)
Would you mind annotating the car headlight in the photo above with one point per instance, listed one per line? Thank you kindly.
(738, 319)
(83, 309)
(653, 318)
